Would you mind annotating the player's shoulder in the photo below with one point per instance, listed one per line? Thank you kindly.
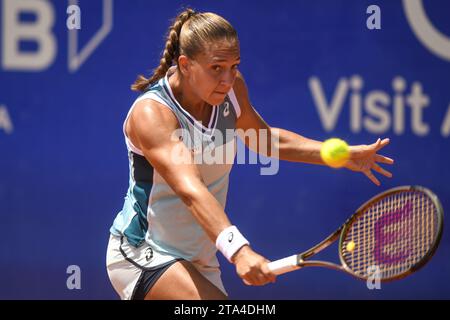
(151, 114)
(152, 110)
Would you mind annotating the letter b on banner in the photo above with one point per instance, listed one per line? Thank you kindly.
(39, 31)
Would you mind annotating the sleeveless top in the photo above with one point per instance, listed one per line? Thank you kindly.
(152, 211)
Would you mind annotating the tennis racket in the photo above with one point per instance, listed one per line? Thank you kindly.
(395, 233)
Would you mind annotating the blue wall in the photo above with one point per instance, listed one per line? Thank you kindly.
(63, 162)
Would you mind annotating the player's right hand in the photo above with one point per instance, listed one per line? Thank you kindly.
(252, 267)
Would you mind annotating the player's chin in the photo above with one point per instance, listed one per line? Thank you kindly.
(217, 98)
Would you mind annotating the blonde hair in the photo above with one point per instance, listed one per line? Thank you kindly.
(188, 35)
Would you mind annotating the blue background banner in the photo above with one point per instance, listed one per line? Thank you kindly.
(313, 67)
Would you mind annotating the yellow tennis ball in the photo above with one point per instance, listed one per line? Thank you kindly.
(350, 246)
(335, 152)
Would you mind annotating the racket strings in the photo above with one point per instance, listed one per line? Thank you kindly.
(391, 235)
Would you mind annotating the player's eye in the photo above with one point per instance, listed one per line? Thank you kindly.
(219, 68)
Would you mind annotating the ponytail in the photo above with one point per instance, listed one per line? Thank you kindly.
(171, 52)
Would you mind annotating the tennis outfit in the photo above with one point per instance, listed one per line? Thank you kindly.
(155, 229)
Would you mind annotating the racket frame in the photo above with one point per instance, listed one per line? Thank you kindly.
(299, 261)
(425, 258)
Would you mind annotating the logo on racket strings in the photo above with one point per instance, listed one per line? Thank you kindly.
(391, 229)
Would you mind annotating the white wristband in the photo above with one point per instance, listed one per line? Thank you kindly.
(229, 241)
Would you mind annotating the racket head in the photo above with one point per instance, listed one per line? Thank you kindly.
(397, 231)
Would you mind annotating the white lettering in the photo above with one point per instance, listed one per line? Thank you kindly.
(377, 111)
(39, 31)
(328, 115)
(445, 129)
(399, 85)
(356, 84)
(376, 104)
(417, 101)
(373, 281)
(5, 120)
(74, 18)
(74, 280)
(373, 21)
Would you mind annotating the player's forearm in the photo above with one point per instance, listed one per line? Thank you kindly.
(294, 147)
(206, 210)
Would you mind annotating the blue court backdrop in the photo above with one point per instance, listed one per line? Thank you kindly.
(313, 67)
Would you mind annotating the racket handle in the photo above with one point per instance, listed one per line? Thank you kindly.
(284, 265)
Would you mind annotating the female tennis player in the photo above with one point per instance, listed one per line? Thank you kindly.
(164, 241)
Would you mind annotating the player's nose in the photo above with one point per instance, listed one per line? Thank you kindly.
(227, 80)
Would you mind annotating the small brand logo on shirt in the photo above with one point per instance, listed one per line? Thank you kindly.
(226, 110)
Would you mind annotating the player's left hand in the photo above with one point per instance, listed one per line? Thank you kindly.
(365, 158)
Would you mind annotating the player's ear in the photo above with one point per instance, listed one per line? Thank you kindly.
(183, 64)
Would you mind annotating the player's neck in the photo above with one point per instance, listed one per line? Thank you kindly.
(188, 100)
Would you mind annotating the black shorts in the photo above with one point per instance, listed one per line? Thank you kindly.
(148, 278)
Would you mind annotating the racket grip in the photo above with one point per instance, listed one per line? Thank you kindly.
(283, 265)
